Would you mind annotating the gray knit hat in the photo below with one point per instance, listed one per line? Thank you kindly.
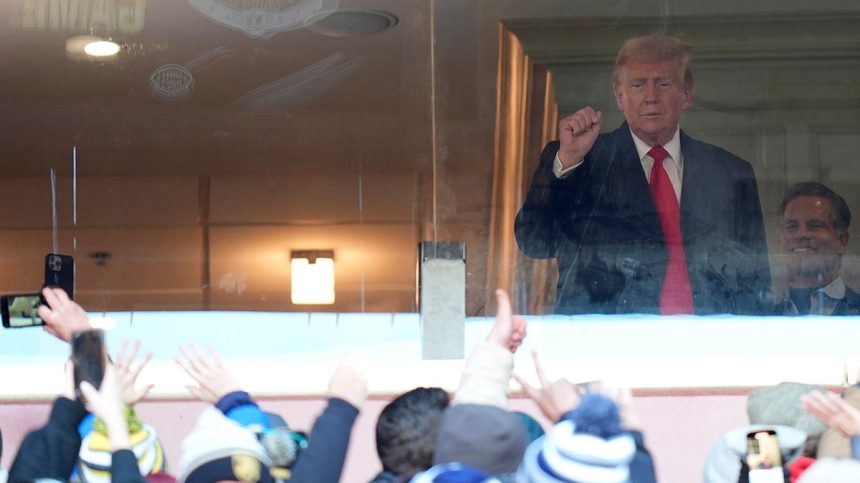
(481, 436)
(780, 404)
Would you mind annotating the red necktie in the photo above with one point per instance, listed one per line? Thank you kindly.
(676, 296)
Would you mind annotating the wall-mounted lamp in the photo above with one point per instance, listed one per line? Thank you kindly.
(312, 277)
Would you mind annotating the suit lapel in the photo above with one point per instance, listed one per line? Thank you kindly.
(698, 203)
(632, 192)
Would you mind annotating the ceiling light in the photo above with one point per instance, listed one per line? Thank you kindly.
(312, 273)
(352, 23)
(83, 47)
(101, 48)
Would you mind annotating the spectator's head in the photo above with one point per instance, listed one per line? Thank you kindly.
(832, 470)
(219, 449)
(406, 430)
(813, 234)
(95, 456)
(481, 436)
(588, 445)
(780, 405)
(653, 85)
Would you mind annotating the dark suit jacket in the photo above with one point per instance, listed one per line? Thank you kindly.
(849, 305)
(601, 224)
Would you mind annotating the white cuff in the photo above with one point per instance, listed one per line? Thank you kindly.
(560, 171)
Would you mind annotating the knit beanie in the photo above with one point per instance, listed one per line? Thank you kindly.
(780, 404)
(96, 453)
(587, 446)
(219, 448)
(484, 437)
(452, 473)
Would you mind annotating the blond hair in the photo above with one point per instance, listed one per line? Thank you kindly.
(655, 48)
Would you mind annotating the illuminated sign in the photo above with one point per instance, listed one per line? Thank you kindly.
(123, 16)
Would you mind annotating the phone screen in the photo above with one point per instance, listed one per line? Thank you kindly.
(21, 310)
(764, 457)
(60, 272)
(88, 356)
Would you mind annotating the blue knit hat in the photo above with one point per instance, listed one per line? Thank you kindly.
(588, 446)
(452, 473)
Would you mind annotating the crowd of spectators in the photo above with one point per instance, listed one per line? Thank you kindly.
(93, 434)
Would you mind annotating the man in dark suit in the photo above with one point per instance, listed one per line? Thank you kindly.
(813, 236)
(646, 219)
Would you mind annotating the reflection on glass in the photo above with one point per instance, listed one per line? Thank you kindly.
(813, 237)
(264, 18)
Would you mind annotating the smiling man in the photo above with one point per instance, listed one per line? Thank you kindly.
(645, 218)
(813, 236)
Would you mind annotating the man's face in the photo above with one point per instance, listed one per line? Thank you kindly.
(652, 97)
(811, 246)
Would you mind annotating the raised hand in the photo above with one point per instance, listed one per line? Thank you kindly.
(553, 398)
(61, 315)
(106, 403)
(348, 384)
(508, 330)
(833, 410)
(127, 375)
(213, 379)
(577, 133)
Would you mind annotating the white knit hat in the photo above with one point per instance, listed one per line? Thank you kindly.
(564, 455)
(216, 436)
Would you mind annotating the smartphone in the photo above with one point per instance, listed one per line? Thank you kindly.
(60, 272)
(764, 457)
(88, 356)
(21, 310)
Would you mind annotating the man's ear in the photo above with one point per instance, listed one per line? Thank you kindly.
(844, 237)
(688, 97)
(619, 96)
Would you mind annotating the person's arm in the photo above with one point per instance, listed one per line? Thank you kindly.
(52, 451)
(757, 292)
(836, 413)
(322, 461)
(555, 398)
(642, 465)
(106, 402)
(537, 223)
(217, 385)
(488, 371)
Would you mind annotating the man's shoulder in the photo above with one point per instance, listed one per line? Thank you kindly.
(695, 148)
(851, 302)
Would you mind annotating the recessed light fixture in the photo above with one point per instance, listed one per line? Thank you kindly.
(90, 46)
(101, 48)
(351, 23)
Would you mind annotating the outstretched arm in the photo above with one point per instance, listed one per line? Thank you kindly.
(322, 461)
(488, 371)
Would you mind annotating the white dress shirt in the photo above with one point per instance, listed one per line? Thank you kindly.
(674, 163)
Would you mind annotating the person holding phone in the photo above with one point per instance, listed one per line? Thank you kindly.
(51, 452)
